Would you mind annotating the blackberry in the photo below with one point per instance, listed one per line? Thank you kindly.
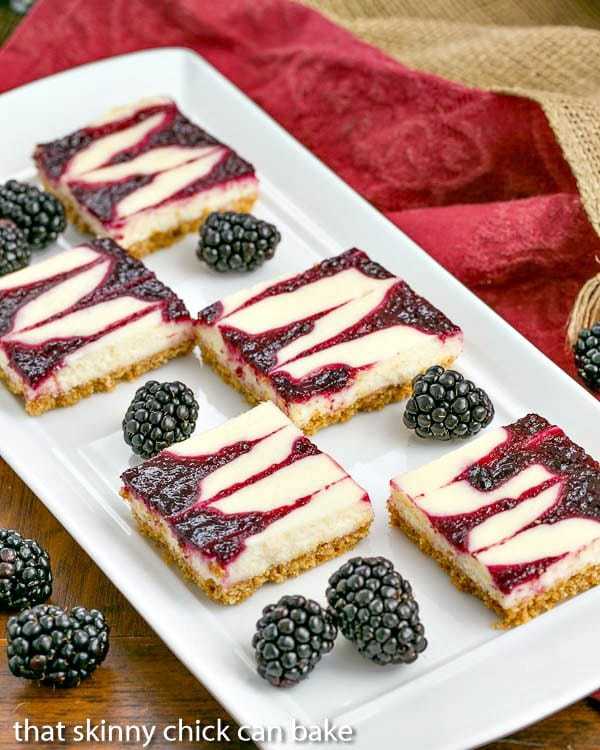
(236, 242)
(444, 405)
(39, 215)
(25, 574)
(56, 647)
(159, 415)
(587, 356)
(290, 639)
(376, 611)
(14, 253)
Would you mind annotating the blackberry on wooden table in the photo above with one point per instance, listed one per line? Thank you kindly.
(56, 647)
(25, 573)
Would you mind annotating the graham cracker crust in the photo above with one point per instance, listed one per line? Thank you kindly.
(244, 589)
(158, 240)
(510, 618)
(44, 403)
(370, 402)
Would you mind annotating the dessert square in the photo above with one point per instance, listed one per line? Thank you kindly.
(248, 502)
(514, 517)
(343, 336)
(144, 175)
(83, 320)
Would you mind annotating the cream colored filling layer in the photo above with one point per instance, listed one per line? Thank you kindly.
(66, 261)
(256, 424)
(393, 369)
(119, 349)
(273, 449)
(167, 183)
(163, 219)
(326, 293)
(101, 150)
(336, 511)
(444, 470)
(585, 552)
(61, 297)
(124, 111)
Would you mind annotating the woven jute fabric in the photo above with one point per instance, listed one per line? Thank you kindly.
(545, 50)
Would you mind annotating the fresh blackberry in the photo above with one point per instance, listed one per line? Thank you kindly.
(25, 574)
(55, 647)
(290, 639)
(159, 415)
(236, 242)
(39, 215)
(444, 405)
(587, 355)
(14, 252)
(376, 611)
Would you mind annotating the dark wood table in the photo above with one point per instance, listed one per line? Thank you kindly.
(141, 681)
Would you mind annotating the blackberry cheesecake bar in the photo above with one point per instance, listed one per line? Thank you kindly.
(83, 320)
(514, 517)
(144, 175)
(248, 502)
(343, 336)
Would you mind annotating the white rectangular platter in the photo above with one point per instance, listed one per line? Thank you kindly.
(473, 683)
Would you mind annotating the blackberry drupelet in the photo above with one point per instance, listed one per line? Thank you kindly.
(14, 252)
(25, 574)
(55, 647)
(375, 610)
(444, 405)
(39, 215)
(290, 639)
(587, 356)
(159, 415)
(236, 242)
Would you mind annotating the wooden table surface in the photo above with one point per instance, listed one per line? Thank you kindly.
(142, 682)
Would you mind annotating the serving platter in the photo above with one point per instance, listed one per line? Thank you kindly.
(474, 683)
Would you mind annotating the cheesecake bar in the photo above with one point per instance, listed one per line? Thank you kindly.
(345, 335)
(81, 321)
(248, 502)
(514, 517)
(144, 175)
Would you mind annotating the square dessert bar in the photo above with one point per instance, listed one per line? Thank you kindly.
(81, 321)
(514, 517)
(144, 175)
(248, 502)
(345, 335)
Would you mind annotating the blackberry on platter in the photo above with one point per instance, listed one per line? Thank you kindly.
(38, 214)
(236, 242)
(159, 415)
(14, 252)
(444, 405)
(290, 639)
(375, 609)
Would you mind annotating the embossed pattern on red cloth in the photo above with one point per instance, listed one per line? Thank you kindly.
(476, 178)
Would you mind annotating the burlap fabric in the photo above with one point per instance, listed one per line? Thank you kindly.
(546, 50)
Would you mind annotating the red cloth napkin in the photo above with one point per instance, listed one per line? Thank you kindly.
(477, 179)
